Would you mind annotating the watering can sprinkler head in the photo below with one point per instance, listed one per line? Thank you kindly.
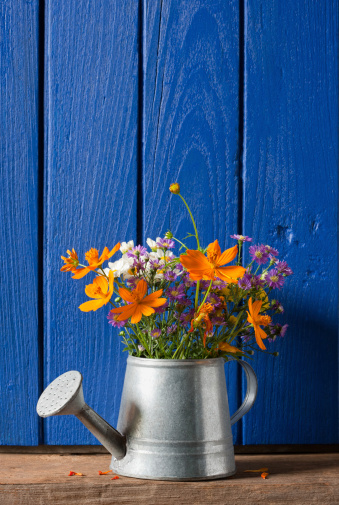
(64, 396)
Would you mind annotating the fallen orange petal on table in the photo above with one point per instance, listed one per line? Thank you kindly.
(115, 477)
(104, 473)
(257, 471)
(264, 475)
(75, 473)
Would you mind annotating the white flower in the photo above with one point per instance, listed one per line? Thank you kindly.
(121, 267)
(126, 246)
(152, 243)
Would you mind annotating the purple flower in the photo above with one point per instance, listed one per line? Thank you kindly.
(138, 264)
(283, 268)
(274, 279)
(113, 320)
(217, 321)
(259, 254)
(245, 338)
(277, 330)
(219, 284)
(165, 243)
(273, 259)
(176, 293)
(155, 333)
(137, 251)
(214, 300)
(185, 302)
(172, 328)
(245, 282)
(170, 275)
(141, 347)
(278, 307)
(132, 282)
(155, 264)
(204, 285)
(187, 280)
(257, 282)
(270, 250)
(242, 238)
(187, 317)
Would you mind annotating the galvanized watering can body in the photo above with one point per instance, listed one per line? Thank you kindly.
(174, 421)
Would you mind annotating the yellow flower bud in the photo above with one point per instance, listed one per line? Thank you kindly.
(175, 188)
(232, 320)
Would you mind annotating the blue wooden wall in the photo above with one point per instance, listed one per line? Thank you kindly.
(103, 105)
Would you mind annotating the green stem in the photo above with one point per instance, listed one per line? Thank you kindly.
(194, 225)
(141, 338)
(206, 295)
(196, 296)
(179, 241)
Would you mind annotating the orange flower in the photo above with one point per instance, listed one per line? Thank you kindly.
(139, 304)
(175, 188)
(71, 262)
(257, 320)
(203, 316)
(224, 346)
(92, 257)
(201, 267)
(100, 290)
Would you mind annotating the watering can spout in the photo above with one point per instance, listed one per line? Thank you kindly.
(65, 396)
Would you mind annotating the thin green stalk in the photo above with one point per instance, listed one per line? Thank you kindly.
(194, 225)
(206, 295)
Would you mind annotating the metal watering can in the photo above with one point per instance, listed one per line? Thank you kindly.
(174, 421)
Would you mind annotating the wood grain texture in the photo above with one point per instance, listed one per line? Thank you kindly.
(19, 223)
(290, 202)
(190, 123)
(91, 76)
(301, 479)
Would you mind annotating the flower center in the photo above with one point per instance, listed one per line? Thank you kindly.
(92, 256)
(265, 320)
(274, 278)
(258, 254)
(136, 296)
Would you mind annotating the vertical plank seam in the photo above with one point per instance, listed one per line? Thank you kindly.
(241, 173)
(140, 207)
(41, 168)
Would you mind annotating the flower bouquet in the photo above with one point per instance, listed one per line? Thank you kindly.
(195, 304)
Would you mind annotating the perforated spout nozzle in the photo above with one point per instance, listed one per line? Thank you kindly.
(64, 396)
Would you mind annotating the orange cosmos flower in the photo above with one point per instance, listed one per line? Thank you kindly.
(100, 290)
(203, 317)
(139, 304)
(71, 262)
(224, 346)
(201, 267)
(257, 320)
(92, 257)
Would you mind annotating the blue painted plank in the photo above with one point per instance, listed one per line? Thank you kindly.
(91, 77)
(19, 366)
(290, 189)
(190, 123)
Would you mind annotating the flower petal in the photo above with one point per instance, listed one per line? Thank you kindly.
(141, 288)
(214, 249)
(128, 312)
(228, 255)
(81, 272)
(152, 296)
(92, 305)
(194, 259)
(146, 309)
(229, 273)
(156, 303)
(137, 315)
(126, 295)
(259, 334)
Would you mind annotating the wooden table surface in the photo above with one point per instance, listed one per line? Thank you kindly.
(43, 479)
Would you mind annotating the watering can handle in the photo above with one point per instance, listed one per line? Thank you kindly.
(251, 393)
